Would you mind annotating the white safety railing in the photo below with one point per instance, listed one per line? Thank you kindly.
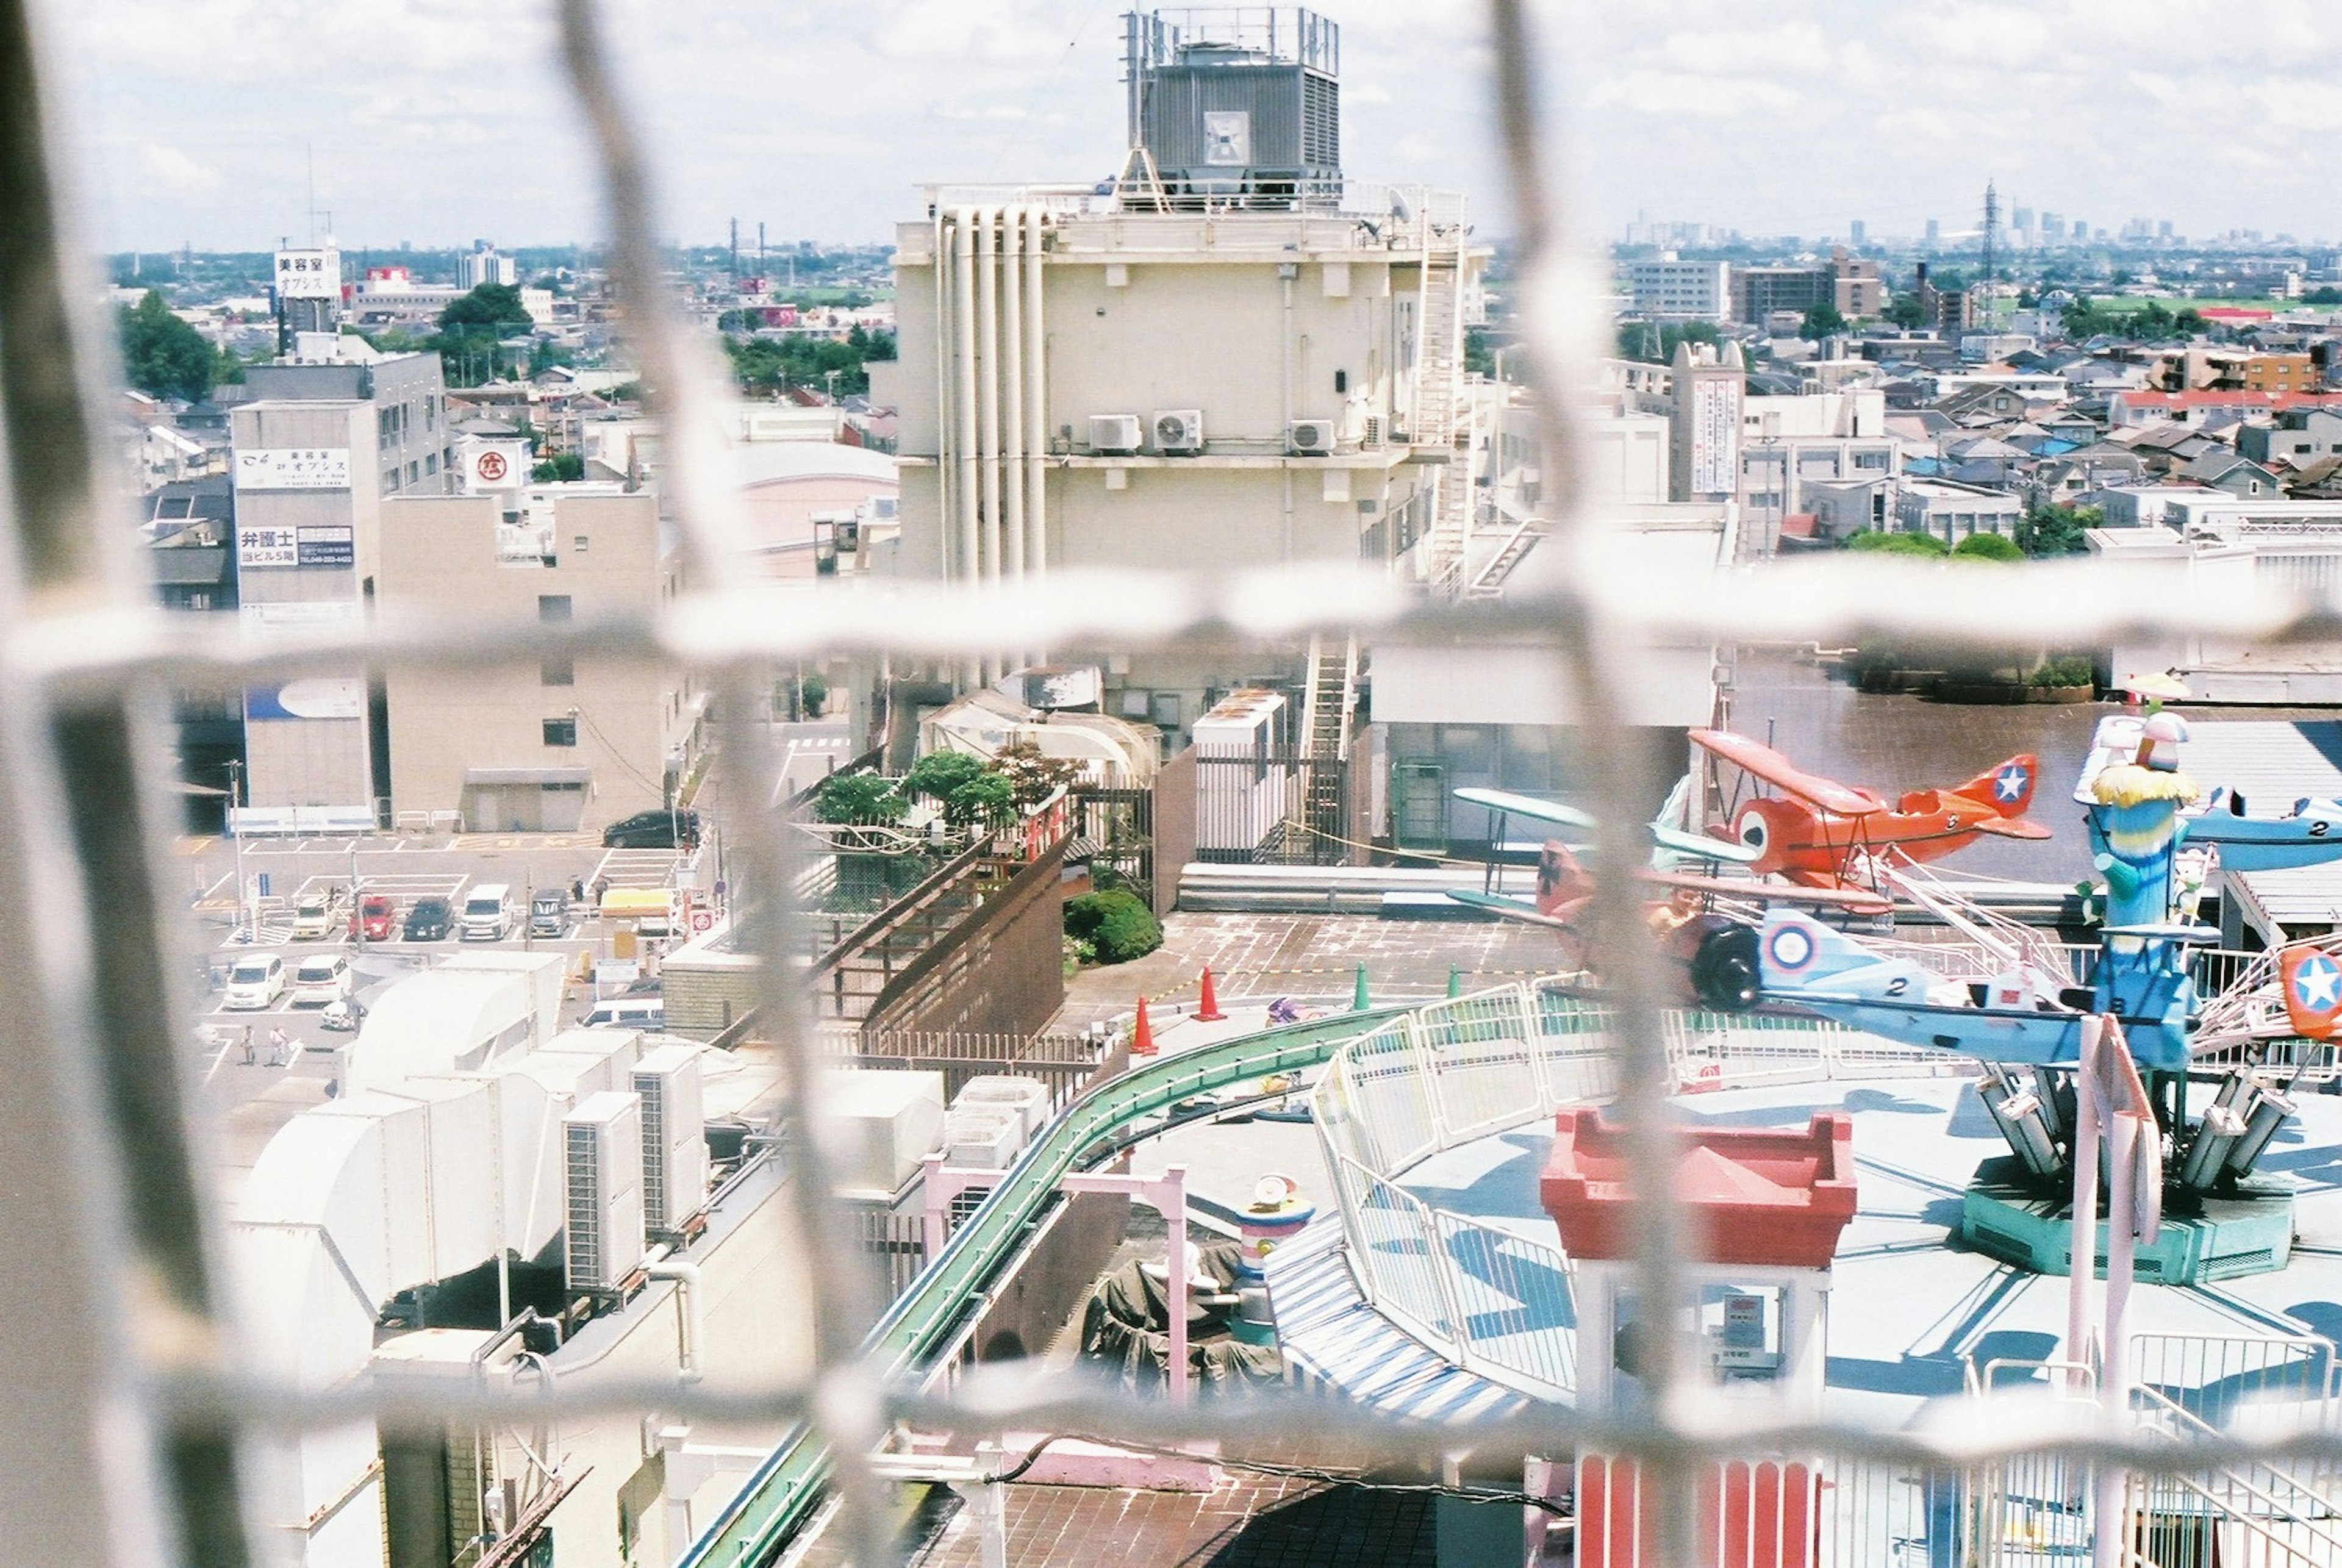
(1495, 1300)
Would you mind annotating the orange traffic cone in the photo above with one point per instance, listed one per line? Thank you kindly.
(1142, 1039)
(1209, 1013)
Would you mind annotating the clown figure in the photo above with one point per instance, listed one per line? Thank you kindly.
(2135, 827)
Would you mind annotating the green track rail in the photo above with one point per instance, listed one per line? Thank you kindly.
(781, 1495)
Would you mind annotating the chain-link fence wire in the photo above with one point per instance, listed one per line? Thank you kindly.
(127, 1392)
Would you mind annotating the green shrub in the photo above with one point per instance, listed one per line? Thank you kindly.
(1115, 925)
(1925, 545)
(2062, 670)
(938, 773)
(812, 692)
(1986, 547)
(858, 798)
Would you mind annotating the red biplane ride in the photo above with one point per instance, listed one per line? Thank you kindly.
(1816, 830)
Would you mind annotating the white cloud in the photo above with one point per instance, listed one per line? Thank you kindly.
(169, 169)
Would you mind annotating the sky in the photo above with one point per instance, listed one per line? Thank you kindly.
(436, 122)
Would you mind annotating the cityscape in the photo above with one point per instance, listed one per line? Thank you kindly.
(1136, 868)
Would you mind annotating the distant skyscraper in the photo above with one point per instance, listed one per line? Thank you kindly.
(2163, 229)
(2021, 219)
(1935, 231)
(2081, 228)
(1857, 232)
(2053, 227)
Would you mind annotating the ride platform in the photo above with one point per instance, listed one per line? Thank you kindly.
(2005, 1214)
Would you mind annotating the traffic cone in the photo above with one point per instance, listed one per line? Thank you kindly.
(1209, 1013)
(1142, 1038)
(1358, 1003)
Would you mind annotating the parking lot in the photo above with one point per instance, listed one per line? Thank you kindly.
(406, 869)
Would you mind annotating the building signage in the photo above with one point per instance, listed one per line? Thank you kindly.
(327, 698)
(491, 467)
(266, 547)
(1714, 437)
(331, 546)
(309, 275)
(293, 468)
(299, 614)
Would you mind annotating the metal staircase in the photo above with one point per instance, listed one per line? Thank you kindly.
(1330, 700)
(1488, 582)
(1439, 405)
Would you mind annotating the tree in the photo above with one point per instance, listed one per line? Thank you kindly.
(472, 328)
(2050, 529)
(163, 355)
(858, 798)
(1656, 344)
(560, 467)
(939, 772)
(1986, 547)
(1904, 311)
(1821, 321)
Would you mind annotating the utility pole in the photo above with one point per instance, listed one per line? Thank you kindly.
(243, 892)
(1991, 230)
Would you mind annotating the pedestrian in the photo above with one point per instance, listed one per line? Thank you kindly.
(577, 890)
(279, 1045)
(248, 1057)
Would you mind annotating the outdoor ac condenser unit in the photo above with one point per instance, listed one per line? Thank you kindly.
(1310, 437)
(1117, 435)
(602, 1145)
(1178, 430)
(674, 1137)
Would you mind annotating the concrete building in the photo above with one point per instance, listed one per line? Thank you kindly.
(1669, 289)
(321, 443)
(1846, 283)
(1952, 512)
(561, 744)
(482, 264)
(1115, 381)
(2298, 436)
(2214, 543)
(1788, 444)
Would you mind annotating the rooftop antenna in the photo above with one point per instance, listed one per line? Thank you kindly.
(735, 250)
(312, 194)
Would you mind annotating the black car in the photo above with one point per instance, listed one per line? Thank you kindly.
(656, 829)
(430, 920)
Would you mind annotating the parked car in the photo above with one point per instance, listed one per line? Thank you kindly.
(254, 980)
(656, 829)
(548, 914)
(313, 914)
(320, 979)
(377, 918)
(627, 1013)
(487, 913)
(430, 920)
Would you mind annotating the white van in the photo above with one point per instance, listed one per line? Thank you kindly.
(627, 1012)
(487, 913)
(254, 980)
(313, 914)
(321, 980)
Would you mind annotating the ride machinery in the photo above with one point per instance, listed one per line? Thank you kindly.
(2008, 997)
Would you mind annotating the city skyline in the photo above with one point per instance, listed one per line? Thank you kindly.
(198, 123)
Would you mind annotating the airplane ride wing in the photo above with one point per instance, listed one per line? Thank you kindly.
(1857, 900)
(2008, 827)
(1701, 846)
(1525, 805)
(1510, 908)
(1762, 762)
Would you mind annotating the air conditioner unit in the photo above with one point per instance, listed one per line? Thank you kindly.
(601, 1146)
(1178, 430)
(674, 1137)
(1117, 435)
(1310, 437)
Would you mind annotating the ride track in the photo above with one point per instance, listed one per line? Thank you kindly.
(781, 1495)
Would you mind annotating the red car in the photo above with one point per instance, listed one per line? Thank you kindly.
(377, 915)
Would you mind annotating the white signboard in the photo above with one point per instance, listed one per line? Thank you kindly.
(1715, 437)
(309, 275)
(300, 615)
(266, 547)
(293, 468)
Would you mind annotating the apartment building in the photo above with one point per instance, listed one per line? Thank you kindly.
(561, 744)
(1668, 289)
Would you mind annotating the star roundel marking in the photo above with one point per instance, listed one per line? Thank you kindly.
(2317, 983)
(2009, 783)
(1792, 948)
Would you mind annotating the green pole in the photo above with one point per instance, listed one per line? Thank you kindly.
(1455, 981)
(1358, 1003)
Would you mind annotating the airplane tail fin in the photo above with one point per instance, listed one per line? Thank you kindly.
(2006, 787)
(1563, 885)
(1801, 954)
